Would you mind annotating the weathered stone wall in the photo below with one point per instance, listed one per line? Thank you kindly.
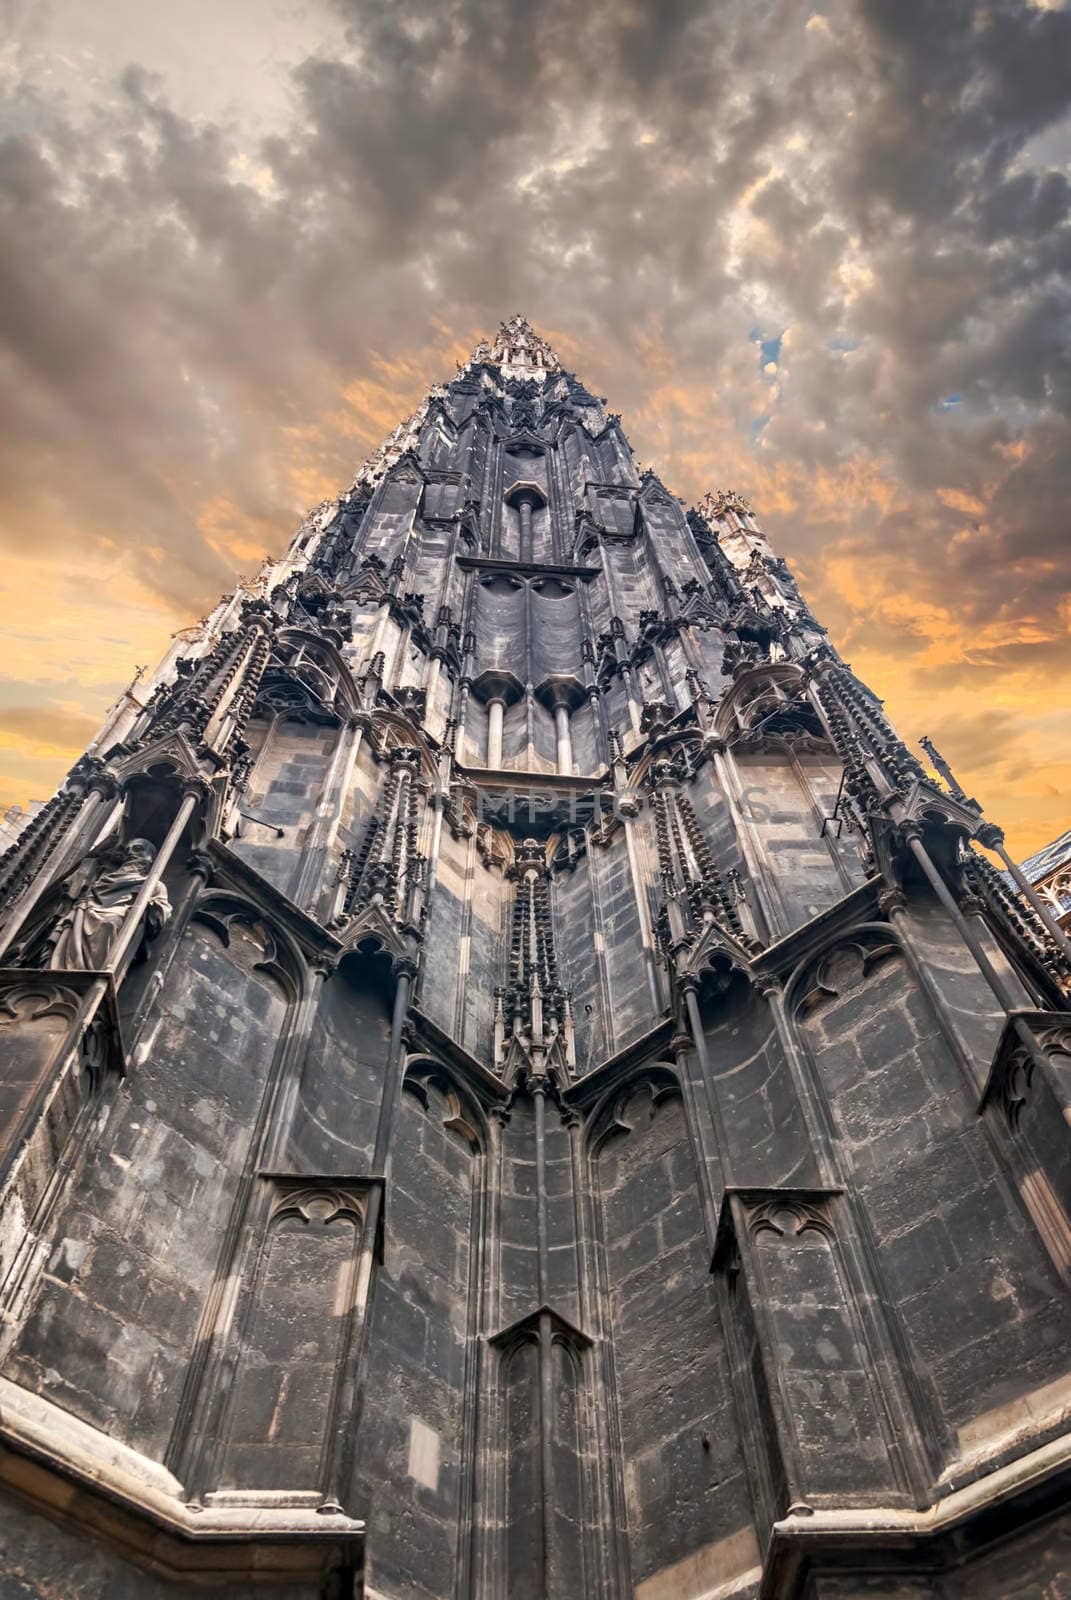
(112, 1325)
(761, 1128)
(283, 793)
(582, 952)
(340, 1089)
(40, 1560)
(465, 959)
(685, 1494)
(413, 1481)
(979, 1301)
(621, 943)
(802, 874)
(518, 1268)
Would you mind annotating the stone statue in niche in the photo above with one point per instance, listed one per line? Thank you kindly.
(100, 896)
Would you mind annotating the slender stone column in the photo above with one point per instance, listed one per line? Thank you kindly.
(122, 719)
(124, 946)
(992, 837)
(893, 904)
(1027, 888)
(564, 738)
(375, 643)
(81, 834)
(767, 892)
(847, 883)
(815, 1114)
(96, 816)
(1007, 998)
(627, 806)
(339, 1455)
(199, 870)
(682, 1045)
(496, 711)
(699, 1039)
(525, 512)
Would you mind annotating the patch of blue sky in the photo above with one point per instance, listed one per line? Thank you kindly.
(769, 347)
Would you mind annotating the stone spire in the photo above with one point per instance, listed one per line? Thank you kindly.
(518, 349)
(594, 1123)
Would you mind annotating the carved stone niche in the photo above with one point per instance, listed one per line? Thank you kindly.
(1027, 1098)
(287, 1423)
(59, 1039)
(815, 1426)
(546, 1543)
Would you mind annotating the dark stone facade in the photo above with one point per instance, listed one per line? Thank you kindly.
(563, 1108)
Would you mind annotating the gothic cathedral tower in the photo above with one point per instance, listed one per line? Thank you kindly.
(517, 1085)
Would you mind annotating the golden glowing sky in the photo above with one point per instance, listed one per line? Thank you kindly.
(820, 257)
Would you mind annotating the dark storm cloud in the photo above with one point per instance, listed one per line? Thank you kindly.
(184, 305)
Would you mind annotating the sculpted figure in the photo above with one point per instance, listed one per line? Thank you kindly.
(85, 934)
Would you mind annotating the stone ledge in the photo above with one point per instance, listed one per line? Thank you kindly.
(78, 1476)
(535, 568)
(1007, 1428)
(938, 1538)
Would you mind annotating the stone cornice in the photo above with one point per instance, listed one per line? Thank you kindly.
(91, 1483)
(534, 569)
(940, 1536)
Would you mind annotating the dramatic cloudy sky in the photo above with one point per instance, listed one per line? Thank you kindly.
(820, 256)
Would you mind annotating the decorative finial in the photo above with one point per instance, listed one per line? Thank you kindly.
(941, 766)
(518, 346)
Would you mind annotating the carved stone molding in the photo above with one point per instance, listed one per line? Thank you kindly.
(526, 1328)
(841, 967)
(786, 1217)
(321, 1200)
(457, 1117)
